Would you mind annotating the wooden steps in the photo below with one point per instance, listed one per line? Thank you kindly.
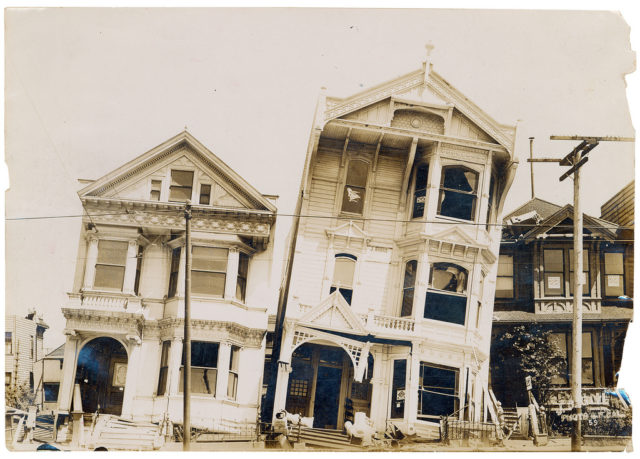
(116, 433)
(512, 420)
(327, 439)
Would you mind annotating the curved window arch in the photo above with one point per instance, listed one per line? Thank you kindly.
(447, 293)
(410, 269)
(458, 192)
(343, 274)
(355, 187)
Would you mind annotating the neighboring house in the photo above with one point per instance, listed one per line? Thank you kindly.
(386, 307)
(535, 285)
(48, 374)
(23, 338)
(125, 314)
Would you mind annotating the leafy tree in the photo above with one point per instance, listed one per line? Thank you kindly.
(527, 350)
(19, 396)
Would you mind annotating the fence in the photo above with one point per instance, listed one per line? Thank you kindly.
(465, 431)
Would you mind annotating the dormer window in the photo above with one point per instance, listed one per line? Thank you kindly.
(420, 191)
(355, 187)
(181, 186)
(458, 190)
(447, 293)
(343, 273)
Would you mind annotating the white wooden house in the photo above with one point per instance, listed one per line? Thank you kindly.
(388, 301)
(125, 315)
(23, 346)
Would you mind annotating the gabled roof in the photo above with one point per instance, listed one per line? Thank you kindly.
(334, 313)
(56, 353)
(433, 89)
(543, 208)
(181, 142)
(594, 226)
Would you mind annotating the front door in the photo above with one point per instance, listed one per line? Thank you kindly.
(325, 411)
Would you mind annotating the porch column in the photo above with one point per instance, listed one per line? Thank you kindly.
(420, 288)
(68, 372)
(222, 380)
(379, 391)
(90, 264)
(232, 276)
(411, 406)
(130, 268)
(175, 360)
(282, 383)
(131, 382)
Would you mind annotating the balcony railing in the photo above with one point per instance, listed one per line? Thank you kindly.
(559, 305)
(105, 301)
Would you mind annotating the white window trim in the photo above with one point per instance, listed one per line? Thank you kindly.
(479, 169)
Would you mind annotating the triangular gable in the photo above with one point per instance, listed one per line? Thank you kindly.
(348, 230)
(423, 86)
(228, 189)
(455, 243)
(456, 235)
(563, 218)
(334, 313)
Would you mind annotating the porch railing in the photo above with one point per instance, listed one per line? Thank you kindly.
(104, 301)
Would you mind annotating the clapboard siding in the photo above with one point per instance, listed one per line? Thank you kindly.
(20, 361)
(620, 208)
(461, 126)
(384, 210)
(377, 113)
(372, 286)
(389, 172)
(308, 271)
(327, 165)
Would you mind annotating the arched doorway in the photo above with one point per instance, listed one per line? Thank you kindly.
(101, 374)
(321, 385)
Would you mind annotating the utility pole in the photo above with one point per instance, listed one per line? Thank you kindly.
(186, 390)
(533, 193)
(576, 159)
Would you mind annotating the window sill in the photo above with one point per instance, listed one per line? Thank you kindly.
(453, 219)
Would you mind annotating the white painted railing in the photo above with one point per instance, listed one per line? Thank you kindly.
(104, 301)
(394, 323)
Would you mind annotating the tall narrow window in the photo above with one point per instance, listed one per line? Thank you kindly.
(490, 202)
(8, 343)
(232, 386)
(164, 367)
(409, 285)
(204, 368)
(614, 274)
(398, 388)
(136, 284)
(504, 281)
(553, 272)
(173, 276)
(586, 287)
(420, 192)
(458, 193)
(587, 359)
(156, 186)
(559, 339)
(241, 285)
(205, 194)
(343, 273)
(181, 185)
(112, 258)
(437, 391)
(209, 271)
(447, 293)
(355, 187)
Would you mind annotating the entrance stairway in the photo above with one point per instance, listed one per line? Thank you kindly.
(326, 439)
(512, 420)
(115, 433)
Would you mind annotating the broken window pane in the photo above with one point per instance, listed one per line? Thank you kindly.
(355, 187)
(449, 277)
(458, 193)
(438, 391)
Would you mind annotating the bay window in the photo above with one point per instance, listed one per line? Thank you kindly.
(447, 293)
(437, 391)
(343, 273)
(355, 187)
(458, 189)
(209, 271)
(204, 368)
(110, 265)
(410, 270)
(420, 191)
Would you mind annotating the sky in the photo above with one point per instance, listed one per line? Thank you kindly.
(87, 90)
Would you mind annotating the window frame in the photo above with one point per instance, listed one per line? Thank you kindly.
(241, 287)
(202, 270)
(405, 289)
(561, 272)
(474, 193)
(424, 388)
(174, 272)
(163, 374)
(605, 275)
(171, 186)
(503, 276)
(336, 285)
(234, 372)
(44, 391)
(436, 291)
(201, 194)
(212, 387)
(155, 189)
(123, 266)
(586, 269)
(346, 185)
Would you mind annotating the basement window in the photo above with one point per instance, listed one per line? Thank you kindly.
(458, 193)
(204, 368)
(112, 258)
(181, 186)
(343, 273)
(447, 293)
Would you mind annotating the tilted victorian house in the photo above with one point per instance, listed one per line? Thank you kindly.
(535, 286)
(386, 307)
(125, 314)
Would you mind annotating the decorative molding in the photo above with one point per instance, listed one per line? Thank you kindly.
(212, 330)
(565, 305)
(461, 153)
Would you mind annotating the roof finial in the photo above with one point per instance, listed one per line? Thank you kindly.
(427, 63)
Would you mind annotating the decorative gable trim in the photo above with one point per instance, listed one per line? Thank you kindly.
(334, 313)
(349, 232)
(455, 244)
(595, 225)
